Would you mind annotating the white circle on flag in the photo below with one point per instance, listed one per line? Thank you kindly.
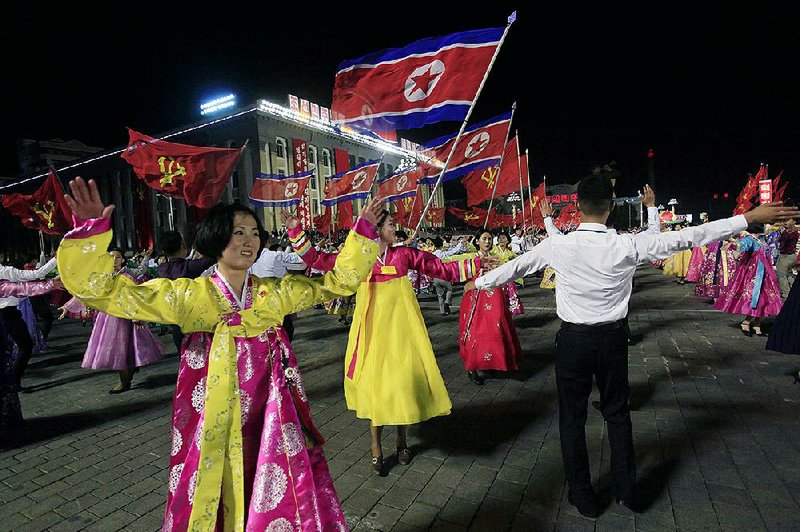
(291, 189)
(477, 144)
(423, 80)
(359, 179)
(401, 183)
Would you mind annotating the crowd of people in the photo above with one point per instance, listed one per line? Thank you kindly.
(245, 450)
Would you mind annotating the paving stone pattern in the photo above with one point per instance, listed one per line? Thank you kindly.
(715, 421)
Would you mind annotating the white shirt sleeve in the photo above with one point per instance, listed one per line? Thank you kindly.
(9, 273)
(551, 227)
(292, 261)
(527, 263)
(653, 221)
(652, 246)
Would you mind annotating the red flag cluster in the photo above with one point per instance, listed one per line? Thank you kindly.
(45, 210)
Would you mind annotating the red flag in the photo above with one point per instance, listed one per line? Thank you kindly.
(300, 159)
(45, 210)
(536, 196)
(569, 216)
(435, 215)
(322, 223)
(780, 192)
(355, 183)
(344, 214)
(197, 174)
(469, 217)
(409, 210)
(425, 82)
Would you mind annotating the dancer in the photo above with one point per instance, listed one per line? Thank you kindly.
(594, 269)
(444, 289)
(787, 256)
(754, 290)
(487, 337)
(391, 374)
(695, 263)
(10, 409)
(242, 435)
(716, 270)
(120, 344)
(504, 252)
(784, 336)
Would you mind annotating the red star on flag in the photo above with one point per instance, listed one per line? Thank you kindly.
(423, 81)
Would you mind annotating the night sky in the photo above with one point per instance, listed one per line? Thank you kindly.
(714, 92)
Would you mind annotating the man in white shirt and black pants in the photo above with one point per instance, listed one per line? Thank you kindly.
(594, 268)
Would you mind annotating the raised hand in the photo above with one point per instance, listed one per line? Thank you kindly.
(85, 200)
(772, 212)
(289, 220)
(648, 197)
(57, 283)
(372, 210)
(545, 207)
(470, 286)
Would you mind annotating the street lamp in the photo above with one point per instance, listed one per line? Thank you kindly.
(672, 202)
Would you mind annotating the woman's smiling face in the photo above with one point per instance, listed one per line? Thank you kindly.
(242, 249)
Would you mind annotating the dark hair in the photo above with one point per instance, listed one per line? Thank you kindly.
(595, 193)
(505, 234)
(275, 246)
(111, 248)
(171, 242)
(216, 228)
(438, 242)
(480, 232)
(401, 235)
(382, 218)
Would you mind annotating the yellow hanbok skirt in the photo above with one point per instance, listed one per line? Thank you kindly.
(548, 279)
(677, 264)
(397, 380)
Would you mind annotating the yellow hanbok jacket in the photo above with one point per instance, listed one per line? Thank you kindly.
(506, 255)
(198, 305)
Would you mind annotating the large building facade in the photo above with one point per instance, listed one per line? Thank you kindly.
(270, 134)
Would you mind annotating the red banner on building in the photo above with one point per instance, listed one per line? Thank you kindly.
(143, 217)
(344, 210)
(300, 159)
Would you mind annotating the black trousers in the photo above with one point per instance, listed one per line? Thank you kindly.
(18, 330)
(602, 353)
(177, 336)
(41, 307)
(288, 326)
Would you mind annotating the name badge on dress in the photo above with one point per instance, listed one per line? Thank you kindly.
(388, 270)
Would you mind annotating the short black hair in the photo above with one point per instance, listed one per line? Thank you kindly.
(505, 234)
(480, 232)
(171, 242)
(275, 246)
(402, 235)
(115, 248)
(595, 193)
(384, 215)
(216, 228)
(438, 242)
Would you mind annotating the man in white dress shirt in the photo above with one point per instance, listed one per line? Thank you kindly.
(12, 318)
(275, 262)
(594, 268)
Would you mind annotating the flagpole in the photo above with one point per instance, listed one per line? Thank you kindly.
(519, 170)
(530, 198)
(500, 168)
(511, 20)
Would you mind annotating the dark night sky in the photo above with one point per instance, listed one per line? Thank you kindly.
(714, 92)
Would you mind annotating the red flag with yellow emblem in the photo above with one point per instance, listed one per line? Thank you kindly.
(199, 175)
(45, 210)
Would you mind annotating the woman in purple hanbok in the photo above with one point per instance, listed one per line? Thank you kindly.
(696, 260)
(116, 343)
(245, 452)
(754, 291)
(717, 269)
(10, 410)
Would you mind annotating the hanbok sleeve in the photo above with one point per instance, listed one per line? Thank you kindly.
(87, 273)
(25, 288)
(322, 260)
(351, 267)
(455, 271)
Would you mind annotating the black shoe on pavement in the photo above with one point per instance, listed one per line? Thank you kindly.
(629, 503)
(586, 504)
(446, 309)
(480, 380)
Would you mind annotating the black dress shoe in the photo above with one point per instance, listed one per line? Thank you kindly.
(586, 505)
(477, 379)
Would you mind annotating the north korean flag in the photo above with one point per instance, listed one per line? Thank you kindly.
(351, 184)
(480, 146)
(273, 190)
(403, 184)
(427, 81)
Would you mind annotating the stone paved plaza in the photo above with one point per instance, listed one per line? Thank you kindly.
(715, 421)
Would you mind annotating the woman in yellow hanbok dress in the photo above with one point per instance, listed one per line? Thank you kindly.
(677, 264)
(245, 453)
(390, 372)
